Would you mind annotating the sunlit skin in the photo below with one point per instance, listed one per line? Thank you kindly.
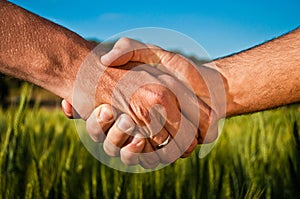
(50, 56)
(260, 78)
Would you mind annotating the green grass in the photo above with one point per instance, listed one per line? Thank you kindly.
(257, 156)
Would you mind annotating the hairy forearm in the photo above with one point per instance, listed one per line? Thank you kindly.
(39, 51)
(263, 77)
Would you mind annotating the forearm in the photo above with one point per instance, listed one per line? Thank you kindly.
(263, 77)
(39, 51)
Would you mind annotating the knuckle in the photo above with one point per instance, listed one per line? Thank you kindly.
(96, 138)
(124, 41)
(111, 149)
(91, 133)
(94, 133)
(209, 138)
(94, 127)
(169, 154)
(169, 57)
(170, 81)
(129, 158)
(191, 148)
(89, 128)
(161, 96)
(209, 133)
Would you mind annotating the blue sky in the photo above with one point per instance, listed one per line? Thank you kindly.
(221, 27)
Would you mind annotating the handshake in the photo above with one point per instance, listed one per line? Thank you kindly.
(150, 106)
(145, 104)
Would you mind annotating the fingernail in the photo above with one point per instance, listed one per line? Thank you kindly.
(125, 123)
(105, 116)
(137, 141)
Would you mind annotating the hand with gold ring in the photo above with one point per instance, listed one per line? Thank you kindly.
(119, 142)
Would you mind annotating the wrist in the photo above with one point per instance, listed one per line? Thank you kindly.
(232, 86)
(216, 90)
(67, 60)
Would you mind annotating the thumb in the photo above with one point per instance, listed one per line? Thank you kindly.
(130, 153)
(117, 57)
(126, 50)
(67, 108)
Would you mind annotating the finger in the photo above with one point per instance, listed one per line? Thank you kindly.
(194, 87)
(130, 152)
(191, 148)
(183, 134)
(149, 159)
(118, 135)
(126, 50)
(195, 111)
(182, 144)
(187, 100)
(190, 106)
(209, 131)
(67, 109)
(99, 121)
(158, 138)
(174, 64)
(160, 110)
(169, 153)
(155, 130)
(185, 70)
(117, 56)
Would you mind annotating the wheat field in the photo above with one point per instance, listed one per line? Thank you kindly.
(256, 156)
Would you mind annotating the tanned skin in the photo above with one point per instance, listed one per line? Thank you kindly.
(48, 55)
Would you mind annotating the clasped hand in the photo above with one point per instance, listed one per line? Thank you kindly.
(158, 113)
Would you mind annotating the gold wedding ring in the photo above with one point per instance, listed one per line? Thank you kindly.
(164, 143)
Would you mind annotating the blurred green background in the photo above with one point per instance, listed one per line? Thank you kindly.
(257, 156)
